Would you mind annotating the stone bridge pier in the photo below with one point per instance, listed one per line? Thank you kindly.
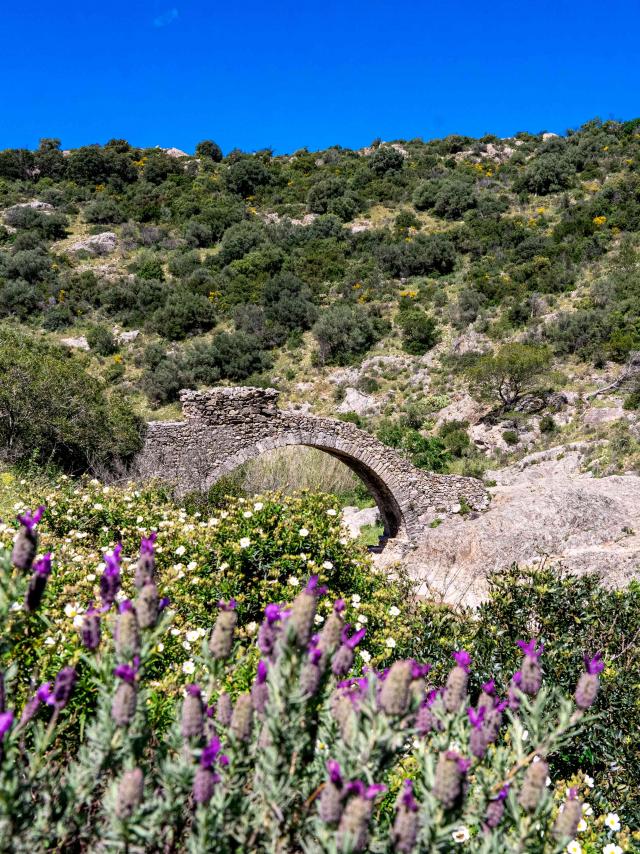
(225, 427)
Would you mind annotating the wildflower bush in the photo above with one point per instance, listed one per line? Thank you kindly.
(255, 551)
(303, 758)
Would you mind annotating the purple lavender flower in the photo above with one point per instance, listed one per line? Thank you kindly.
(163, 603)
(63, 687)
(6, 722)
(145, 565)
(42, 695)
(533, 786)
(26, 542)
(268, 632)
(330, 804)
(90, 629)
(192, 719)
(513, 695)
(339, 606)
(260, 689)
(450, 772)
(478, 737)
(455, 690)
(130, 791)
(495, 809)
(588, 683)
(110, 579)
(343, 659)
(476, 718)
(354, 822)
(530, 670)
(210, 752)
(394, 694)
(38, 582)
(204, 782)
(221, 638)
(405, 826)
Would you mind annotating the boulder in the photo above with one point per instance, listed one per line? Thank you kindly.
(79, 343)
(127, 337)
(97, 244)
(356, 401)
(595, 416)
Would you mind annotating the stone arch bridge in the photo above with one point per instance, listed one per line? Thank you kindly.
(225, 427)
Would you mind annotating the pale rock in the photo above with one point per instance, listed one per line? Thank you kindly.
(470, 342)
(543, 507)
(127, 337)
(462, 408)
(97, 244)
(79, 343)
(354, 519)
(175, 152)
(595, 416)
(356, 401)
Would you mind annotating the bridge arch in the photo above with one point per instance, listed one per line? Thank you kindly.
(223, 428)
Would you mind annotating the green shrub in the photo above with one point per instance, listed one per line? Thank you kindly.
(52, 409)
(510, 437)
(419, 331)
(101, 339)
(425, 452)
(209, 150)
(386, 159)
(344, 332)
(547, 424)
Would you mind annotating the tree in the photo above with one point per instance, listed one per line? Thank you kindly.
(509, 373)
(209, 150)
(386, 159)
(246, 175)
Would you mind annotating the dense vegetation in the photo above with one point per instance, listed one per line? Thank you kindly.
(243, 255)
(138, 754)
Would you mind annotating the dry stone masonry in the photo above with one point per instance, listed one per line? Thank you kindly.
(226, 427)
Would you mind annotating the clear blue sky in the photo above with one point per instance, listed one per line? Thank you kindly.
(288, 74)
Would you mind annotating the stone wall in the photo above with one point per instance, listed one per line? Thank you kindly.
(225, 427)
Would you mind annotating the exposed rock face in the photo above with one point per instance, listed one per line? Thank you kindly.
(355, 401)
(97, 244)
(542, 507)
(225, 427)
(354, 519)
(36, 205)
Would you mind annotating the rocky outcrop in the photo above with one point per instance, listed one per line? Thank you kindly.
(543, 508)
(355, 519)
(97, 244)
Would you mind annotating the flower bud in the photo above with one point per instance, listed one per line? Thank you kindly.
(455, 691)
(224, 709)
(566, 824)
(303, 610)
(192, 721)
(203, 785)
(495, 808)
(353, 830)
(406, 824)
(242, 718)
(425, 720)
(145, 566)
(38, 582)
(331, 632)
(342, 660)
(130, 791)
(344, 715)
(330, 803)
(450, 772)
(127, 634)
(26, 542)
(533, 786)
(63, 687)
(394, 694)
(221, 640)
(123, 708)
(260, 689)
(90, 630)
(530, 670)
(478, 742)
(147, 603)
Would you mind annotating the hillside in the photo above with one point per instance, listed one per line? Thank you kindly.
(365, 284)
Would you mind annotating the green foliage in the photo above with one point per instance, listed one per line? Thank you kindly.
(101, 339)
(209, 150)
(344, 332)
(246, 176)
(419, 331)
(53, 410)
(509, 373)
(386, 159)
(425, 452)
